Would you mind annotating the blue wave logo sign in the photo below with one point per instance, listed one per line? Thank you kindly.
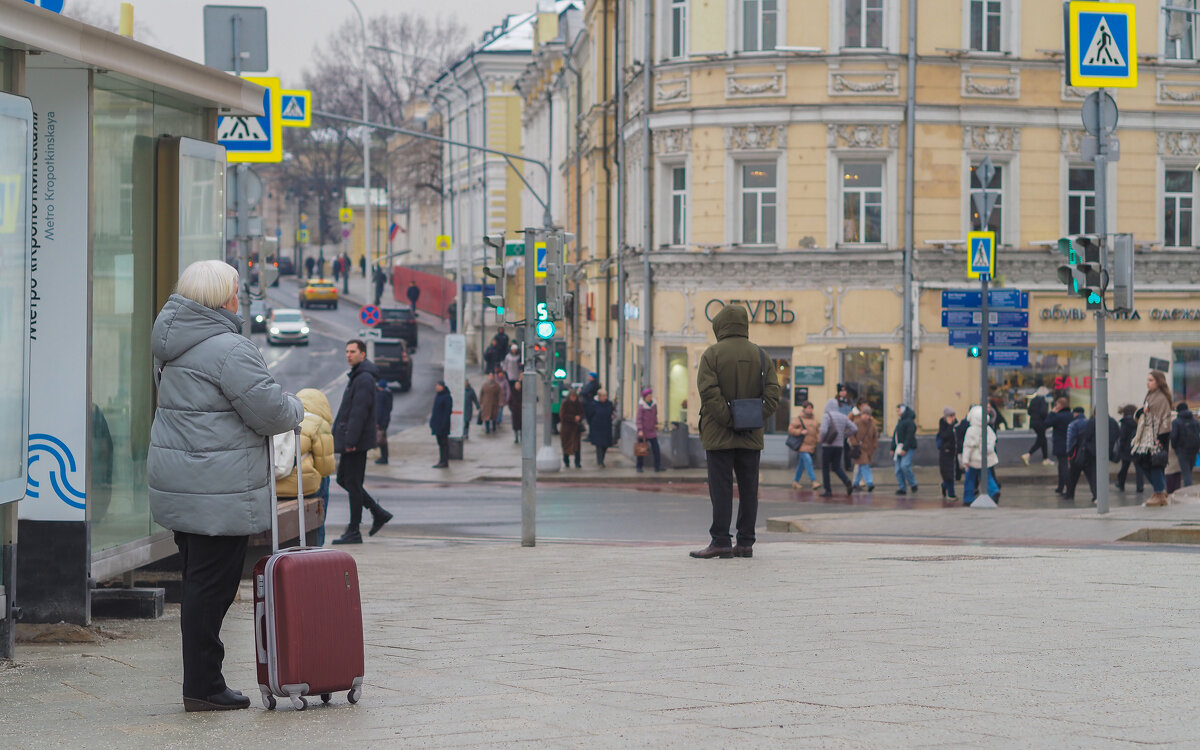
(62, 468)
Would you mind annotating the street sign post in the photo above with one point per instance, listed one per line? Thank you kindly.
(1012, 299)
(1007, 319)
(1008, 358)
(961, 337)
(295, 108)
(369, 315)
(981, 254)
(254, 140)
(1101, 44)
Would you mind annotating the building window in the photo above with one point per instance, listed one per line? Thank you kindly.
(678, 381)
(986, 22)
(1177, 208)
(1185, 376)
(996, 187)
(1063, 372)
(864, 23)
(760, 24)
(1180, 42)
(678, 41)
(1081, 200)
(862, 202)
(678, 205)
(759, 203)
(864, 371)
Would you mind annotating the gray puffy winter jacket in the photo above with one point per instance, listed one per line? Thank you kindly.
(217, 403)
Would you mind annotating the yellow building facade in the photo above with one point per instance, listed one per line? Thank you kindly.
(777, 170)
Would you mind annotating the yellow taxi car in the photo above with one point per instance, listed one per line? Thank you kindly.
(319, 292)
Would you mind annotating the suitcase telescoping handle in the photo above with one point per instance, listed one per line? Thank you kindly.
(275, 498)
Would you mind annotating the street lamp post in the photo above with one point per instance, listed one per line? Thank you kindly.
(366, 142)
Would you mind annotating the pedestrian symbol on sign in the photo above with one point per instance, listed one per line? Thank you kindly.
(981, 254)
(1103, 50)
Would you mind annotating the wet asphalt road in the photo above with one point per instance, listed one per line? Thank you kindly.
(322, 364)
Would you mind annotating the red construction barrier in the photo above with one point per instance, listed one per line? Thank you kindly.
(437, 292)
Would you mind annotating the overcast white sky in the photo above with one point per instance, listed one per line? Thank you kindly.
(294, 26)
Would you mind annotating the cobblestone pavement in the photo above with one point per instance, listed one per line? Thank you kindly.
(586, 645)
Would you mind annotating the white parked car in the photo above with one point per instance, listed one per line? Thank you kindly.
(286, 326)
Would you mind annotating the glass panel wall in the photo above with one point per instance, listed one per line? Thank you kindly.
(677, 387)
(865, 373)
(1064, 372)
(126, 123)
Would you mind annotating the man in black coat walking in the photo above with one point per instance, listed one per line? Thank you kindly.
(1058, 422)
(380, 280)
(439, 423)
(354, 435)
(413, 293)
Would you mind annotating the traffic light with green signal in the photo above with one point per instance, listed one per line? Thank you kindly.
(558, 360)
(974, 352)
(1082, 273)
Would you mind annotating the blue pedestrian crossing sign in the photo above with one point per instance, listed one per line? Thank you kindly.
(295, 108)
(539, 271)
(1102, 44)
(54, 6)
(255, 140)
(981, 254)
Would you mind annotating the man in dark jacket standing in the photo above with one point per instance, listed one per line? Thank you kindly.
(904, 447)
(380, 281)
(733, 368)
(439, 423)
(354, 435)
(1185, 441)
(413, 293)
(1058, 421)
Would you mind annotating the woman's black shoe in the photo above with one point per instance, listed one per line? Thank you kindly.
(229, 700)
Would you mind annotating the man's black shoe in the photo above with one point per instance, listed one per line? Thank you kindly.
(378, 522)
(826, 494)
(349, 538)
(229, 700)
(381, 460)
(743, 551)
(901, 491)
(441, 466)
(710, 552)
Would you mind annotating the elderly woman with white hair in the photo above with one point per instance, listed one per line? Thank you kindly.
(208, 466)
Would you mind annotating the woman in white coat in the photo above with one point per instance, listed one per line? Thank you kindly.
(972, 456)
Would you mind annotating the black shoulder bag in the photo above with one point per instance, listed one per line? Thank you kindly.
(747, 412)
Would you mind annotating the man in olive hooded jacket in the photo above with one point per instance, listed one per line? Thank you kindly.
(733, 368)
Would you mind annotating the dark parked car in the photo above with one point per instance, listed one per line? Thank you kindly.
(285, 264)
(399, 323)
(394, 362)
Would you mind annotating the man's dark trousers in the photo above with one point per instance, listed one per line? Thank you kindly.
(443, 442)
(1076, 468)
(1064, 472)
(723, 466)
(352, 469)
(212, 571)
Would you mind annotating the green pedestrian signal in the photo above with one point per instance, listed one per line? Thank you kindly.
(558, 366)
(974, 352)
(545, 329)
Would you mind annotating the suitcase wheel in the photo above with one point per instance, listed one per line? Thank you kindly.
(354, 694)
(268, 701)
(299, 703)
(326, 697)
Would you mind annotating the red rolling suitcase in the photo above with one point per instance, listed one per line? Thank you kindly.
(308, 628)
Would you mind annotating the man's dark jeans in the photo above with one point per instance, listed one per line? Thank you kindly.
(831, 458)
(723, 466)
(352, 469)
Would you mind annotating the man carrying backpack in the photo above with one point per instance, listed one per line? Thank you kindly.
(1185, 438)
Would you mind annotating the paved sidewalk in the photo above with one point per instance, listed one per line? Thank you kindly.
(572, 646)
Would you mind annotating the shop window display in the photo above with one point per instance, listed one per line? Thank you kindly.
(1064, 372)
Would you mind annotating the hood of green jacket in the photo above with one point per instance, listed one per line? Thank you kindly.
(733, 320)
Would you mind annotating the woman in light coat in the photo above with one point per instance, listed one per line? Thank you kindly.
(972, 456)
(207, 467)
(1154, 434)
(316, 448)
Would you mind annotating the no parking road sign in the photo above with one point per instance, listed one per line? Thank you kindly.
(1101, 44)
(369, 315)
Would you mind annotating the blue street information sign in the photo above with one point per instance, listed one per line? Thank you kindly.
(1008, 357)
(369, 315)
(970, 299)
(1102, 42)
(973, 337)
(974, 318)
(488, 289)
(54, 6)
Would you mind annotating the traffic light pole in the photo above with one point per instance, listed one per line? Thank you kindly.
(529, 400)
(982, 488)
(1100, 354)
